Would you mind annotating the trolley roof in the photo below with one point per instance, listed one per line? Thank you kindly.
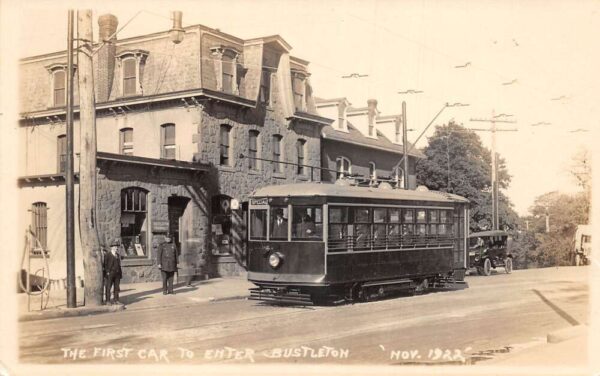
(488, 233)
(336, 190)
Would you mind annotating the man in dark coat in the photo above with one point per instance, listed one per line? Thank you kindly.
(279, 229)
(113, 273)
(167, 263)
(103, 252)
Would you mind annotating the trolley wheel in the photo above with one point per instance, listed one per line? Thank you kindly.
(577, 259)
(508, 265)
(487, 267)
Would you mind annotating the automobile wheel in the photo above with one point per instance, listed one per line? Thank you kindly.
(422, 286)
(508, 265)
(577, 259)
(487, 267)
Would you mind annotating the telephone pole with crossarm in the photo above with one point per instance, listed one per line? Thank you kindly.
(493, 120)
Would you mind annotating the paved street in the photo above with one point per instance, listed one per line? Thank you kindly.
(496, 316)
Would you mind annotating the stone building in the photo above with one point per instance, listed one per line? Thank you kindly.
(364, 144)
(185, 132)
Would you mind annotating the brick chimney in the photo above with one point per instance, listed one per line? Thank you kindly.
(105, 66)
(372, 106)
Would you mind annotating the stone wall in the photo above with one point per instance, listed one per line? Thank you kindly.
(160, 184)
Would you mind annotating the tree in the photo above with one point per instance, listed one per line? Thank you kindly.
(457, 162)
(524, 249)
(562, 212)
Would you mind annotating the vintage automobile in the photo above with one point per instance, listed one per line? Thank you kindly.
(489, 250)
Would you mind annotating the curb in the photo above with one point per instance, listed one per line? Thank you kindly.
(566, 333)
(84, 311)
(70, 312)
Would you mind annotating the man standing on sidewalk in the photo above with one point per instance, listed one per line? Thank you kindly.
(112, 268)
(167, 263)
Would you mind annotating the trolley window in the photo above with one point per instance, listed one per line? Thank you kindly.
(258, 224)
(408, 220)
(279, 223)
(362, 228)
(307, 223)
(338, 229)
(433, 222)
(421, 222)
(393, 237)
(379, 228)
(445, 223)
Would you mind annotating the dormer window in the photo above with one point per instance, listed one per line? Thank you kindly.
(129, 76)
(58, 85)
(299, 89)
(343, 166)
(226, 61)
(131, 64)
(59, 78)
(265, 87)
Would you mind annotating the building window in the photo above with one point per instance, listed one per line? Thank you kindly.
(228, 73)
(134, 221)
(253, 153)
(265, 87)
(61, 152)
(225, 145)
(372, 171)
(168, 146)
(39, 225)
(129, 76)
(131, 64)
(343, 167)
(59, 78)
(126, 141)
(299, 89)
(225, 59)
(300, 151)
(398, 176)
(277, 167)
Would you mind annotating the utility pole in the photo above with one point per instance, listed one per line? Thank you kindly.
(90, 244)
(495, 192)
(69, 180)
(405, 138)
(405, 144)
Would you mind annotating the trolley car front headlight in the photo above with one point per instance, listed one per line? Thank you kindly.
(275, 260)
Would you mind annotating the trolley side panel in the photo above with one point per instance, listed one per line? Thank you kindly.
(298, 257)
(365, 266)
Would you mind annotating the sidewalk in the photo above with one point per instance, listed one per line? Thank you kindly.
(563, 348)
(139, 296)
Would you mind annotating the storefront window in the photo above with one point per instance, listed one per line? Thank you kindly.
(134, 222)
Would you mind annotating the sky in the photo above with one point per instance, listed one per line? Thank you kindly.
(535, 60)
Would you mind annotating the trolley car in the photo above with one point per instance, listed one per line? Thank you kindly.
(315, 243)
